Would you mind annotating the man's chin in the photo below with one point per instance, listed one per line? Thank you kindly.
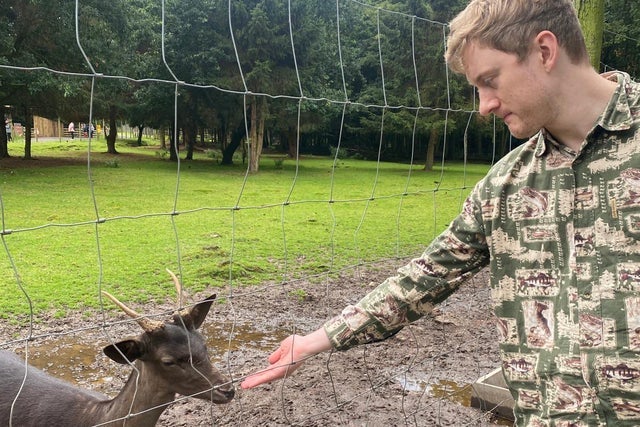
(520, 133)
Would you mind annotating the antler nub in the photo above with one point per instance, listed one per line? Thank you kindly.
(176, 282)
(178, 285)
(146, 324)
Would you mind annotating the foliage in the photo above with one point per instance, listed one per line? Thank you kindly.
(621, 47)
(196, 72)
(260, 46)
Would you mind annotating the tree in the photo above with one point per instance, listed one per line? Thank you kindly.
(105, 29)
(148, 104)
(263, 34)
(389, 56)
(621, 46)
(591, 15)
(38, 33)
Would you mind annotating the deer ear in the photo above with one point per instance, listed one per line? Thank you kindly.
(198, 312)
(125, 351)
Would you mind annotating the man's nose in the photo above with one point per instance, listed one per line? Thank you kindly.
(489, 103)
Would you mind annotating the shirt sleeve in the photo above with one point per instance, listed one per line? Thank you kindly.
(453, 257)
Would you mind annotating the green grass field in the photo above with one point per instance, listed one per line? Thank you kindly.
(76, 221)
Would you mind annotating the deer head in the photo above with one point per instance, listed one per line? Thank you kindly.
(173, 353)
(169, 357)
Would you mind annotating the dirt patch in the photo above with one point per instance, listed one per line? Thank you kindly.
(422, 376)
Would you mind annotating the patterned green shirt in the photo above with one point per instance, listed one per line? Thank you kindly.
(560, 232)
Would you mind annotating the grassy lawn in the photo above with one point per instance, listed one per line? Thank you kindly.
(77, 221)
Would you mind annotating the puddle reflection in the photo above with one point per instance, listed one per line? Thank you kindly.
(443, 389)
(64, 357)
(446, 389)
(232, 337)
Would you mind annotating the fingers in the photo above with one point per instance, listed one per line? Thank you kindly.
(254, 380)
(272, 373)
(281, 364)
(285, 353)
(289, 357)
(275, 356)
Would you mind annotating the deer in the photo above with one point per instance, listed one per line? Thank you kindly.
(168, 358)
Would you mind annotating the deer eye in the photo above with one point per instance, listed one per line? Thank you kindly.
(168, 362)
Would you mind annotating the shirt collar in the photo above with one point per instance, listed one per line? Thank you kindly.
(544, 142)
(617, 116)
(541, 142)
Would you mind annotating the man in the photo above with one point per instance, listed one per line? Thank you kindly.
(7, 128)
(557, 220)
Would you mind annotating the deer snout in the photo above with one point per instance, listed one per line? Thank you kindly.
(228, 393)
(222, 393)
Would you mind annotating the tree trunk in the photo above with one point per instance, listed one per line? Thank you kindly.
(591, 15)
(174, 144)
(113, 131)
(27, 133)
(431, 149)
(292, 139)
(221, 136)
(190, 133)
(256, 133)
(4, 148)
(140, 129)
(236, 139)
(163, 136)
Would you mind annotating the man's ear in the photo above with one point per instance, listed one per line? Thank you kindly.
(547, 48)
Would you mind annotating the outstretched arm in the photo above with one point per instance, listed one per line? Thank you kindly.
(457, 254)
(289, 356)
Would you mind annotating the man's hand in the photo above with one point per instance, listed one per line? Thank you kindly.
(289, 356)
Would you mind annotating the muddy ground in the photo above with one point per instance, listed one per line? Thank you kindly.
(420, 377)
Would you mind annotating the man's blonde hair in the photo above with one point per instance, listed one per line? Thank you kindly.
(511, 26)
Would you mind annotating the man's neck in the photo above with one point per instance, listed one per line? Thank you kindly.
(584, 100)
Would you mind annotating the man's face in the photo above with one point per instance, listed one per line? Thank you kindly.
(512, 90)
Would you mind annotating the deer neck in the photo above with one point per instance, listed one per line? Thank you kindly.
(142, 398)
